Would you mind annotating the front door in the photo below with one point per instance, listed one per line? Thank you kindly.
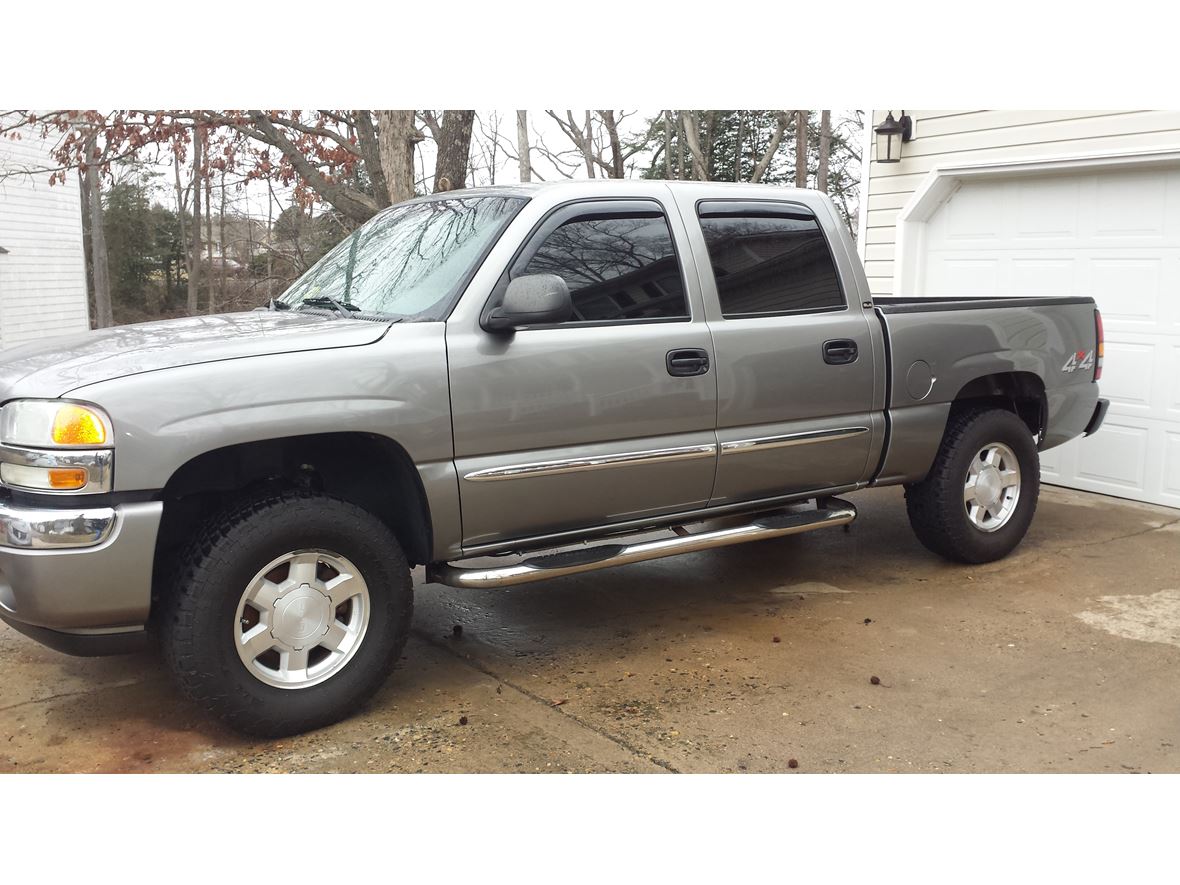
(596, 420)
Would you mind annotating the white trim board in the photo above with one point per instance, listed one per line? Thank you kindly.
(866, 180)
(941, 182)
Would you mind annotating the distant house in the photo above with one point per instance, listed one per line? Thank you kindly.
(42, 262)
(1051, 203)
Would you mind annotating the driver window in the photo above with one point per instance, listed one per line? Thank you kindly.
(617, 267)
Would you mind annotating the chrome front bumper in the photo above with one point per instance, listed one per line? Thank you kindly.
(78, 569)
(55, 529)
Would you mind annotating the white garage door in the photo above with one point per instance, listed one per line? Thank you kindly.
(1114, 236)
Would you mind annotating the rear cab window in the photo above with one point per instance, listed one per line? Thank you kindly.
(769, 259)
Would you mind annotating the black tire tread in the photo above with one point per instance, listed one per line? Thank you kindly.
(935, 504)
(195, 570)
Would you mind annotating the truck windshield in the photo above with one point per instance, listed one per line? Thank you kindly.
(408, 261)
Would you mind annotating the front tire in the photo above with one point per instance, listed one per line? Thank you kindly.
(980, 496)
(290, 612)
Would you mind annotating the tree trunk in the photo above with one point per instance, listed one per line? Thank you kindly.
(768, 155)
(825, 150)
(710, 125)
(270, 239)
(668, 145)
(454, 151)
(224, 256)
(588, 146)
(194, 264)
(691, 131)
(522, 146)
(396, 137)
(103, 314)
(801, 148)
(616, 146)
(679, 146)
(209, 236)
(737, 151)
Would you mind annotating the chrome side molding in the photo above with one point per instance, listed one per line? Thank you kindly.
(762, 443)
(831, 512)
(599, 462)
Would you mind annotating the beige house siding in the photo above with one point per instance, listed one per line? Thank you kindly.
(43, 271)
(950, 138)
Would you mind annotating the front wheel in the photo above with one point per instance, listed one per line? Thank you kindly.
(979, 498)
(289, 613)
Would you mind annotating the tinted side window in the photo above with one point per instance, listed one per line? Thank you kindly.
(771, 265)
(619, 267)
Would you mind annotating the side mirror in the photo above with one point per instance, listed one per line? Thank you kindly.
(531, 300)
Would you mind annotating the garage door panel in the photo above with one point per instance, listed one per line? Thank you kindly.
(1046, 210)
(966, 276)
(972, 215)
(1115, 456)
(1127, 290)
(1171, 472)
(1127, 376)
(1172, 385)
(1115, 236)
(1130, 205)
(1044, 276)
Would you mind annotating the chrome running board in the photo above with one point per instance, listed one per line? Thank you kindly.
(830, 512)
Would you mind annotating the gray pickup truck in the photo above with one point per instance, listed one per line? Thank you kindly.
(564, 377)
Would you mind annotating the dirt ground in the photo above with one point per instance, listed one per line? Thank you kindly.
(1062, 657)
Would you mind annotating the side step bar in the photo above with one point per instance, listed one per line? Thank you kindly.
(830, 512)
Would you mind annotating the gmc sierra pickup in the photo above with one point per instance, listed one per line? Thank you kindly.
(555, 372)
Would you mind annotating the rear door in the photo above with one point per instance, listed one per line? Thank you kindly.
(605, 418)
(795, 362)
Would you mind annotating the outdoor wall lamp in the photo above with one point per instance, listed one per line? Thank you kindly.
(891, 134)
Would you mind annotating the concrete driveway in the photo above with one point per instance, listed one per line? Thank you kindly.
(1063, 657)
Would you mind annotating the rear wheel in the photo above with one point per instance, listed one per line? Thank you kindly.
(290, 612)
(979, 498)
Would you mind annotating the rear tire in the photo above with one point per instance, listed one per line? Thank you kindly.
(980, 496)
(321, 581)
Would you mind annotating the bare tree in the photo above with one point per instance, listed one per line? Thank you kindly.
(103, 313)
(593, 138)
(668, 145)
(524, 155)
(776, 139)
(737, 152)
(397, 138)
(825, 149)
(691, 130)
(452, 135)
(209, 236)
(801, 148)
(194, 264)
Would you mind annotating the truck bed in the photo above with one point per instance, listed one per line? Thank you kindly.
(938, 349)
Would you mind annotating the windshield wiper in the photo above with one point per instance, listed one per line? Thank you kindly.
(278, 305)
(341, 308)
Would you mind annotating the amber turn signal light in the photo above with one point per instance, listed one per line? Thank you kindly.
(67, 477)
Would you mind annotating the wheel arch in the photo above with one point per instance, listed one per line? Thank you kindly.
(1022, 393)
(370, 470)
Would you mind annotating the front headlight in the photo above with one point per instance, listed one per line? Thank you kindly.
(54, 424)
(56, 447)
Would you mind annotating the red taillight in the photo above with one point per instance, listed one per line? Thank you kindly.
(1098, 350)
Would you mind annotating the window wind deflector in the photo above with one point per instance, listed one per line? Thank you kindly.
(755, 208)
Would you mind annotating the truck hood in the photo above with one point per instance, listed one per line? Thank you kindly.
(54, 366)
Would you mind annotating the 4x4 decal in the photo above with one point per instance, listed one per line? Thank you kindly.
(1083, 359)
